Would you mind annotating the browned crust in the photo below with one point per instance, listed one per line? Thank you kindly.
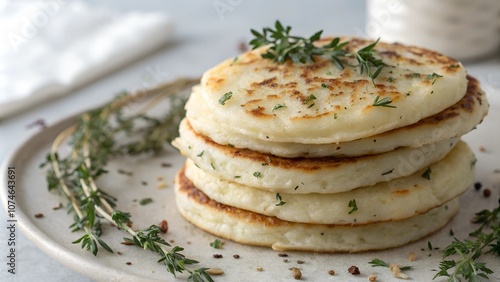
(473, 99)
(187, 187)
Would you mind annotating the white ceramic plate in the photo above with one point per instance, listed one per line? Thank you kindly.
(52, 235)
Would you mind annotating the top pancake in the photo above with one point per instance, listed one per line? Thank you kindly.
(274, 102)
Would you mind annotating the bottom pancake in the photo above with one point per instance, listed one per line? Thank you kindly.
(255, 229)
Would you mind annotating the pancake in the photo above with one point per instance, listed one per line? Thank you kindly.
(317, 103)
(394, 200)
(305, 175)
(454, 121)
(255, 229)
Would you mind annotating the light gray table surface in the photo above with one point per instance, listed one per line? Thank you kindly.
(203, 37)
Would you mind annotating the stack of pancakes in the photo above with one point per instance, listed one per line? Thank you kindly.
(311, 157)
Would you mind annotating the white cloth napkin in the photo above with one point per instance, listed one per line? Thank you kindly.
(49, 47)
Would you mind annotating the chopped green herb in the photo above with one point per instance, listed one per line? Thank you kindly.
(201, 154)
(279, 199)
(212, 165)
(429, 245)
(427, 173)
(335, 116)
(324, 85)
(384, 102)
(225, 97)
(310, 106)
(257, 174)
(310, 98)
(230, 145)
(145, 201)
(352, 204)
(302, 50)
(434, 76)
(378, 262)
(390, 79)
(279, 106)
(217, 244)
(329, 73)
(237, 176)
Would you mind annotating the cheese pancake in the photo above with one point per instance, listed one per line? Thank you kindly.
(455, 121)
(305, 175)
(317, 103)
(255, 229)
(394, 200)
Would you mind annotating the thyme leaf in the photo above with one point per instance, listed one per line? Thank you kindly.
(280, 200)
(93, 140)
(384, 102)
(284, 46)
(353, 205)
(461, 257)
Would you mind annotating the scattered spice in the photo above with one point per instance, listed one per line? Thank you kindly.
(354, 270)
(300, 262)
(60, 205)
(159, 178)
(217, 256)
(127, 243)
(173, 241)
(162, 185)
(260, 269)
(144, 183)
(478, 186)
(215, 271)
(128, 263)
(412, 256)
(487, 193)
(236, 256)
(285, 260)
(39, 215)
(372, 278)
(396, 272)
(283, 255)
(166, 165)
(119, 253)
(242, 46)
(297, 275)
(164, 226)
(331, 272)
(482, 149)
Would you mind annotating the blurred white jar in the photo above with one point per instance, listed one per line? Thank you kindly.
(463, 29)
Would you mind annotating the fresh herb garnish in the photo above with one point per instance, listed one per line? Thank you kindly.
(427, 173)
(93, 142)
(434, 76)
(466, 253)
(384, 102)
(225, 97)
(257, 174)
(279, 106)
(284, 46)
(352, 204)
(309, 99)
(279, 199)
(378, 262)
(200, 154)
(217, 244)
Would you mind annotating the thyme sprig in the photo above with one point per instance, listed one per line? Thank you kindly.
(93, 141)
(466, 253)
(284, 46)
